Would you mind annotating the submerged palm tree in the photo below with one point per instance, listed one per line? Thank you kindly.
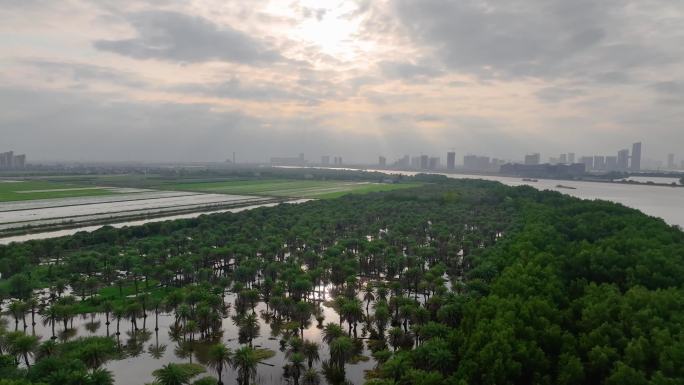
(245, 361)
(332, 331)
(95, 354)
(311, 377)
(248, 328)
(310, 351)
(50, 316)
(341, 351)
(296, 366)
(219, 356)
(177, 374)
(23, 345)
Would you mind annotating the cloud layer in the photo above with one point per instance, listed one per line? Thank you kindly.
(166, 80)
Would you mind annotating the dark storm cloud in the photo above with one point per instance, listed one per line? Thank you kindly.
(539, 38)
(178, 37)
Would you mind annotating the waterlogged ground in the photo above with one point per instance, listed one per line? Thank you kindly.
(19, 190)
(289, 188)
(75, 210)
(148, 350)
(74, 230)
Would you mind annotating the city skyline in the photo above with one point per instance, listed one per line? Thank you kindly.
(197, 80)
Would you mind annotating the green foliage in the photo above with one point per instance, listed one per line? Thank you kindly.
(177, 374)
(464, 282)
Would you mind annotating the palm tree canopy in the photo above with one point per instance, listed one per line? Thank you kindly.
(177, 374)
(219, 356)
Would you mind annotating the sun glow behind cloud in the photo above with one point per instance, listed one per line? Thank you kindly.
(327, 25)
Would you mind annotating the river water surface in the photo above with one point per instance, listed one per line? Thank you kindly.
(659, 201)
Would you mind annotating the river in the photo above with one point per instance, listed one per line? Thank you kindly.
(659, 201)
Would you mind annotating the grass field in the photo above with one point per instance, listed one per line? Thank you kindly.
(288, 188)
(29, 190)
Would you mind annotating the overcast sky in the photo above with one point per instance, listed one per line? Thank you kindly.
(167, 80)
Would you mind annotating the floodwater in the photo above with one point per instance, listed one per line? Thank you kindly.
(149, 350)
(41, 213)
(72, 231)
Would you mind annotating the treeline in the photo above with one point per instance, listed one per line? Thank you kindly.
(581, 293)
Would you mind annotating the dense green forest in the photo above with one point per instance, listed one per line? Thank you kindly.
(456, 282)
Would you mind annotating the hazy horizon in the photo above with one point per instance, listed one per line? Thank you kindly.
(170, 81)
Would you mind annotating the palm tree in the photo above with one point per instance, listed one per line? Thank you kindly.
(396, 335)
(17, 309)
(311, 377)
(24, 345)
(50, 316)
(32, 303)
(352, 313)
(133, 311)
(245, 361)
(95, 354)
(296, 366)
(107, 308)
(177, 374)
(332, 331)
(368, 295)
(100, 377)
(46, 349)
(249, 328)
(119, 312)
(341, 351)
(310, 351)
(219, 356)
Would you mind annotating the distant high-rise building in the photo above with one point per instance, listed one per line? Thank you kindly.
(415, 162)
(670, 161)
(451, 160)
(571, 157)
(623, 160)
(611, 163)
(382, 161)
(599, 162)
(563, 158)
(325, 160)
(588, 162)
(532, 158)
(476, 163)
(9, 161)
(424, 160)
(636, 157)
(403, 162)
(433, 163)
(6, 159)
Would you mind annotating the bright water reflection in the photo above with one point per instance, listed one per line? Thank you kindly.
(147, 350)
